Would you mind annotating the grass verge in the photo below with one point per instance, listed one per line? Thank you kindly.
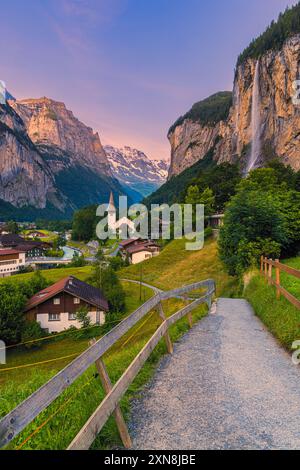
(279, 316)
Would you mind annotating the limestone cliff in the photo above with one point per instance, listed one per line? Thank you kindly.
(50, 161)
(55, 130)
(232, 138)
(279, 117)
(190, 142)
(195, 133)
(24, 177)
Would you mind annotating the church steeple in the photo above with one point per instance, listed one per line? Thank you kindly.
(111, 204)
(111, 212)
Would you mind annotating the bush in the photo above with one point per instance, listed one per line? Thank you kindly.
(77, 261)
(117, 262)
(82, 315)
(84, 224)
(262, 219)
(31, 331)
(12, 303)
(13, 296)
(105, 278)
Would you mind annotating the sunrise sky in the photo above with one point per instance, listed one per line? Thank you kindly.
(127, 68)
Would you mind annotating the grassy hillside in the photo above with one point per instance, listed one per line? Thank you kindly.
(53, 275)
(50, 237)
(175, 267)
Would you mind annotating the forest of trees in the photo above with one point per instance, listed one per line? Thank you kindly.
(287, 25)
(211, 110)
(262, 218)
(221, 179)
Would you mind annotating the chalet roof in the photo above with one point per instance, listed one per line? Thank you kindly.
(135, 245)
(72, 286)
(10, 239)
(8, 251)
(146, 246)
(40, 234)
(127, 242)
(28, 246)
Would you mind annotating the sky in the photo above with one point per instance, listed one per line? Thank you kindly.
(128, 68)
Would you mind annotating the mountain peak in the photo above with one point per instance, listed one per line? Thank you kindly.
(133, 168)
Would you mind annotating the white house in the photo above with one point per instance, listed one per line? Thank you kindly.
(11, 261)
(138, 250)
(55, 307)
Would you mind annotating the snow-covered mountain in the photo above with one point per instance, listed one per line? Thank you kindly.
(134, 169)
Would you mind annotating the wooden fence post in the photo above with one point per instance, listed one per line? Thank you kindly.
(189, 315)
(168, 341)
(277, 280)
(266, 268)
(270, 272)
(107, 386)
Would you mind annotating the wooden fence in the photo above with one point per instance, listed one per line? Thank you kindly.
(15, 421)
(266, 268)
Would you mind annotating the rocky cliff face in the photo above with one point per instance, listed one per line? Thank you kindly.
(49, 160)
(190, 142)
(55, 130)
(279, 117)
(24, 177)
(232, 138)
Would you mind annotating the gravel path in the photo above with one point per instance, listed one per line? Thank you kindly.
(228, 385)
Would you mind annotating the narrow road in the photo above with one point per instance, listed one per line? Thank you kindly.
(228, 385)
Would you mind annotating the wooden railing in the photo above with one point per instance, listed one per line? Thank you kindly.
(266, 269)
(15, 421)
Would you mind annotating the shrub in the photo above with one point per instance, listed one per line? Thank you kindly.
(12, 303)
(32, 330)
(262, 219)
(105, 278)
(82, 315)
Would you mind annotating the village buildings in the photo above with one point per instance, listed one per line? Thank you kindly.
(11, 261)
(55, 307)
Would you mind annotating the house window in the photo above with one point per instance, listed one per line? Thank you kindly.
(72, 316)
(56, 301)
(76, 300)
(54, 317)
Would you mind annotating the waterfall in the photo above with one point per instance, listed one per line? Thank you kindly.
(255, 122)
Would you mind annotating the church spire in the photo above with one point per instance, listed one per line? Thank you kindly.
(111, 204)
